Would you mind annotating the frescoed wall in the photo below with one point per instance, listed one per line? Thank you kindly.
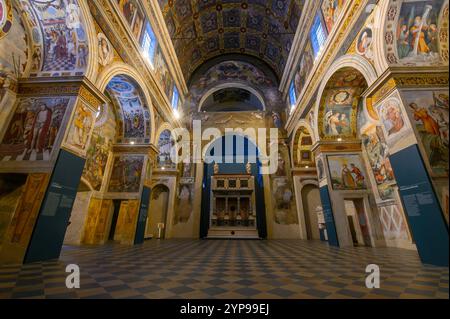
(131, 110)
(346, 172)
(304, 68)
(331, 10)
(97, 158)
(165, 144)
(394, 121)
(80, 129)
(126, 174)
(429, 111)
(59, 25)
(339, 104)
(14, 51)
(375, 146)
(420, 32)
(284, 209)
(33, 129)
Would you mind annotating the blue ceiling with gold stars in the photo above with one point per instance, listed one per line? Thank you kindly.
(203, 29)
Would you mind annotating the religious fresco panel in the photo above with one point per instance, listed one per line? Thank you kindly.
(133, 113)
(97, 158)
(346, 172)
(429, 111)
(33, 129)
(65, 41)
(375, 146)
(80, 130)
(126, 174)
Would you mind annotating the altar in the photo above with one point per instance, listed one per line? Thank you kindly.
(233, 209)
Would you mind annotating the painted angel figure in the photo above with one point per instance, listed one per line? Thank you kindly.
(72, 15)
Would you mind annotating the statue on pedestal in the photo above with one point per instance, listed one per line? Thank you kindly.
(248, 168)
(216, 168)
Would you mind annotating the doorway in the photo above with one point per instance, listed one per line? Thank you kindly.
(311, 201)
(357, 222)
(112, 231)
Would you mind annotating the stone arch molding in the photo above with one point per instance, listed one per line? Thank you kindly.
(231, 85)
(351, 61)
(307, 125)
(120, 68)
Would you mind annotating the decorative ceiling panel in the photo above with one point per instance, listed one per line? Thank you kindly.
(203, 29)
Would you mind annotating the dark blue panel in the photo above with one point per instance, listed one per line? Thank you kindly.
(50, 229)
(142, 219)
(328, 215)
(428, 226)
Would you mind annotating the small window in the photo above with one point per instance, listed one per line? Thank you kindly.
(149, 43)
(221, 183)
(244, 183)
(175, 98)
(292, 95)
(232, 183)
(317, 35)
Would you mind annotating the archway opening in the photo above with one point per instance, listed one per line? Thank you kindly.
(233, 190)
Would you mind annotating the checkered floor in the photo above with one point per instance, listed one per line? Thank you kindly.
(227, 269)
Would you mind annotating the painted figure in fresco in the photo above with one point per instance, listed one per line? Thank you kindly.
(365, 43)
(344, 124)
(82, 56)
(72, 15)
(40, 129)
(333, 122)
(347, 178)
(418, 36)
(82, 124)
(435, 137)
(403, 42)
(392, 119)
(281, 171)
(276, 120)
(421, 114)
(359, 177)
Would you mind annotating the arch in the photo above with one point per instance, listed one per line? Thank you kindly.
(347, 61)
(234, 167)
(296, 136)
(305, 221)
(120, 68)
(207, 147)
(156, 190)
(227, 85)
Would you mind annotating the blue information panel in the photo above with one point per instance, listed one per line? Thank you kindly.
(50, 229)
(428, 226)
(142, 219)
(328, 216)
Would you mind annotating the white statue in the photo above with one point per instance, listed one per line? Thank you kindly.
(248, 168)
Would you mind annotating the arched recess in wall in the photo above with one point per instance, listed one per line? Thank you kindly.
(311, 205)
(165, 145)
(62, 36)
(301, 144)
(232, 96)
(122, 73)
(243, 151)
(158, 213)
(341, 88)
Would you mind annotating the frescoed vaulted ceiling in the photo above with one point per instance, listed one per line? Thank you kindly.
(203, 29)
